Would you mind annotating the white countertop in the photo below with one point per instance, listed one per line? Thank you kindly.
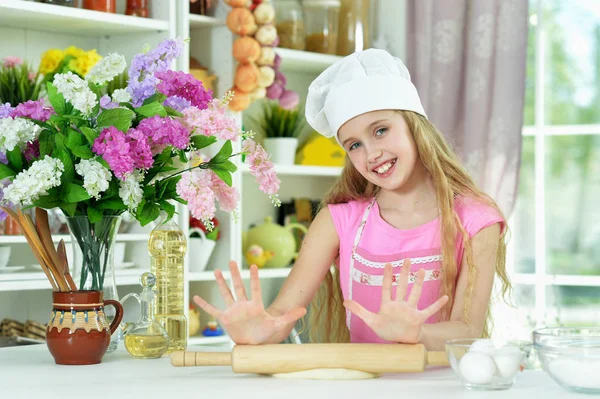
(30, 372)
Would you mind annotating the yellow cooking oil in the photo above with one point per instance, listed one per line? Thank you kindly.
(146, 346)
(167, 246)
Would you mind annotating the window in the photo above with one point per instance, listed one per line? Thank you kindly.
(554, 248)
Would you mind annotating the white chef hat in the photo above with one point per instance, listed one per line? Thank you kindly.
(364, 81)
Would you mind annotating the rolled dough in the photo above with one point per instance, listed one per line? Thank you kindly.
(327, 374)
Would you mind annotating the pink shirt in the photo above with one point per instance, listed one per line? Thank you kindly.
(361, 271)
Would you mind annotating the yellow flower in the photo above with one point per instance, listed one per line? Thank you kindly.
(74, 51)
(85, 62)
(50, 60)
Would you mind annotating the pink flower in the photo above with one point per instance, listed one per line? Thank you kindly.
(34, 110)
(211, 121)
(162, 132)
(113, 146)
(183, 85)
(139, 149)
(195, 187)
(261, 168)
(11, 61)
(227, 196)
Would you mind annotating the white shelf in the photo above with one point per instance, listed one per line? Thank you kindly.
(81, 22)
(301, 170)
(203, 21)
(201, 340)
(305, 61)
(37, 280)
(19, 239)
(262, 273)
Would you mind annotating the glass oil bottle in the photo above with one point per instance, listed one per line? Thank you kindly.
(146, 339)
(167, 247)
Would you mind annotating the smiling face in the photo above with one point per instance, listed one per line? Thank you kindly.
(381, 147)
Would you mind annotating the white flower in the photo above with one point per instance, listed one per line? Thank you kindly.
(131, 190)
(76, 91)
(95, 177)
(121, 96)
(34, 182)
(106, 69)
(14, 132)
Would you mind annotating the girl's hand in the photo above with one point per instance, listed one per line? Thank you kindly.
(398, 320)
(246, 320)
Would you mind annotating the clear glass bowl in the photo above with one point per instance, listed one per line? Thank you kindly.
(571, 356)
(482, 364)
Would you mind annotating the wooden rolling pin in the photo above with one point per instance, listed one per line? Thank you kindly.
(274, 359)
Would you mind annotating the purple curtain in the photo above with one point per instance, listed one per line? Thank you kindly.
(467, 59)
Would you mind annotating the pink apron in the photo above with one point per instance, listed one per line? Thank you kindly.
(365, 279)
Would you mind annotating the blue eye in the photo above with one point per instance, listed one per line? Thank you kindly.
(382, 130)
(354, 146)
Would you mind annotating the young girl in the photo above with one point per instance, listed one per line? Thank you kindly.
(414, 243)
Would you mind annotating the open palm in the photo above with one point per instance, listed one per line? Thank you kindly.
(246, 320)
(398, 319)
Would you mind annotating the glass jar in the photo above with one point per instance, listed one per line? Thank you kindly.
(321, 17)
(354, 26)
(202, 7)
(289, 21)
(68, 3)
(138, 8)
(101, 5)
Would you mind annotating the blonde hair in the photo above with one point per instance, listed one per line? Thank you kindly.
(327, 313)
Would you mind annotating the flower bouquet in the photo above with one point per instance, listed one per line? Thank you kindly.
(95, 156)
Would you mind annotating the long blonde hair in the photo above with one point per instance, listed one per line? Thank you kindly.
(327, 313)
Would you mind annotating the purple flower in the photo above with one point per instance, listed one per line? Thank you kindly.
(142, 83)
(139, 149)
(106, 103)
(184, 85)
(177, 103)
(5, 110)
(32, 151)
(34, 110)
(3, 158)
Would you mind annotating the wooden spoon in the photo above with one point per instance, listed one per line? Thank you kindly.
(62, 254)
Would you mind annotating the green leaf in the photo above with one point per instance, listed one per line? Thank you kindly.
(152, 109)
(94, 214)
(149, 191)
(47, 202)
(68, 208)
(90, 134)
(6, 171)
(103, 162)
(183, 156)
(223, 154)
(223, 175)
(168, 207)
(74, 193)
(56, 99)
(117, 117)
(15, 158)
(83, 152)
(115, 204)
(228, 166)
(172, 112)
(74, 139)
(157, 97)
(199, 141)
(60, 141)
(46, 141)
(147, 213)
(69, 173)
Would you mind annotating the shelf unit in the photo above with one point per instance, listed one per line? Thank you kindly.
(304, 61)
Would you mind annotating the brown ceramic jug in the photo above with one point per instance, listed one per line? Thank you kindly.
(78, 332)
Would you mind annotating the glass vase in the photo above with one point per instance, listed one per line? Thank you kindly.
(93, 265)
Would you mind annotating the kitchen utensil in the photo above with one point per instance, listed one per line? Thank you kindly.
(275, 359)
(482, 364)
(571, 356)
(62, 254)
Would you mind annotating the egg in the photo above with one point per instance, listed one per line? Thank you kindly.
(508, 360)
(483, 346)
(477, 368)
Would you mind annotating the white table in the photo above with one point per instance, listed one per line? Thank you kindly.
(30, 372)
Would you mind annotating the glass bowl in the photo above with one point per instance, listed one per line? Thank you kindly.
(571, 356)
(482, 364)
